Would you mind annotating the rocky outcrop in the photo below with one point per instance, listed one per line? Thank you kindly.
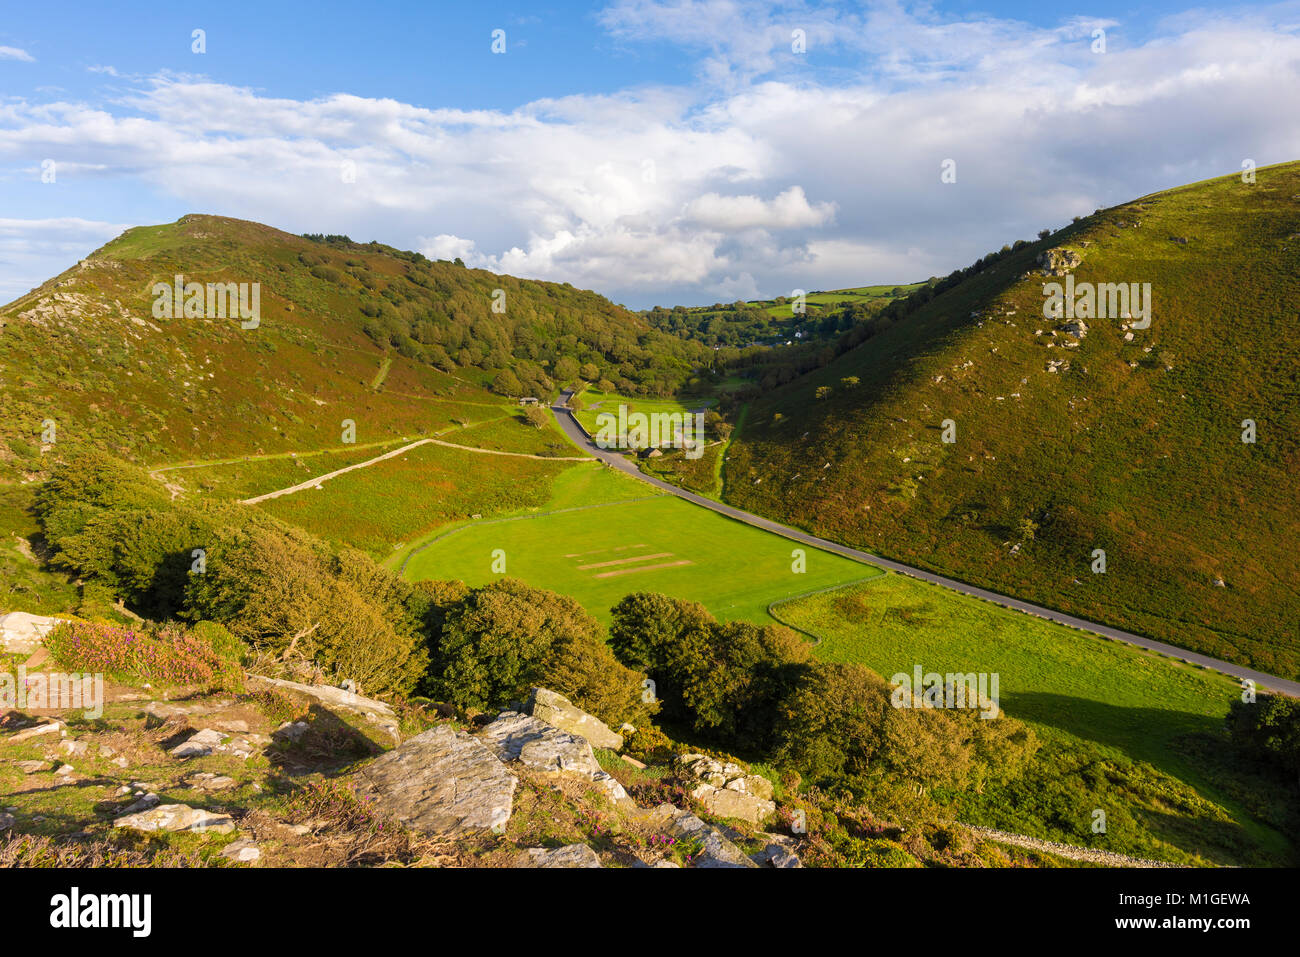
(779, 852)
(198, 745)
(727, 790)
(442, 782)
(560, 712)
(374, 711)
(571, 855)
(22, 633)
(716, 849)
(544, 748)
(1058, 261)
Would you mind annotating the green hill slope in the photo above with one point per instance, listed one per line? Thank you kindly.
(1127, 440)
(390, 340)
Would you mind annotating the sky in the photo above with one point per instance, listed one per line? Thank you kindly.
(686, 151)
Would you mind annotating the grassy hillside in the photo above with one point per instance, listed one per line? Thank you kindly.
(1134, 734)
(390, 340)
(1131, 444)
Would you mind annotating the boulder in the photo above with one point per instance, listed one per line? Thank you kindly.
(560, 712)
(727, 790)
(373, 710)
(22, 633)
(779, 852)
(544, 748)
(571, 855)
(244, 851)
(1058, 261)
(176, 817)
(716, 849)
(724, 802)
(36, 731)
(441, 782)
(198, 745)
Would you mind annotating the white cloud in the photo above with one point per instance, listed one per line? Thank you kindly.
(790, 210)
(766, 180)
(446, 246)
(14, 53)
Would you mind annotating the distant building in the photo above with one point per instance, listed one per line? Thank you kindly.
(528, 400)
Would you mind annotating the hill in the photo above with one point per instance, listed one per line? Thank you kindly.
(394, 342)
(1070, 439)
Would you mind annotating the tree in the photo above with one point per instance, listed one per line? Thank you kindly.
(536, 416)
(724, 679)
(1268, 730)
(282, 592)
(506, 638)
(831, 725)
(506, 383)
(823, 392)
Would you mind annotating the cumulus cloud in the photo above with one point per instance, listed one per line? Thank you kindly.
(789, 210)
(762, 175)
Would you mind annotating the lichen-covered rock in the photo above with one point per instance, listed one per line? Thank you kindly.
(177, 817)
(22, 633)
(541, 747)
(560, 712)
(1058, 261)
(441, 782)
(716, 849)
(727, 790)
(571, 855)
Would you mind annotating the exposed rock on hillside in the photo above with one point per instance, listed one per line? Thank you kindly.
(571, 855)
(441, 782)
(22, 633)
(541, 747)
(1058, 261)
(725, 790)
(557, 710)
(716, 850)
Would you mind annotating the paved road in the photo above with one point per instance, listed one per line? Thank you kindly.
(564, 416)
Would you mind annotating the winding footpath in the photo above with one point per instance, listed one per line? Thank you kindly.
(568, 422)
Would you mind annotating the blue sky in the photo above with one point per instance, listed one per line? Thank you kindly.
(658, 152)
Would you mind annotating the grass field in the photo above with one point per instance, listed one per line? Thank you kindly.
(382, 508)
(595, 402)
(606, 546)
(1102, 709)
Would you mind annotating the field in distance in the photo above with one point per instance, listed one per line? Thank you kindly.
(598, 549)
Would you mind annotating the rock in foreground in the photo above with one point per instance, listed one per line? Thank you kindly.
(442, 782)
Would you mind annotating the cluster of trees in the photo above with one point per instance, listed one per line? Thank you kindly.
(758, 691)
(528, 336)
(1267, 730)
(291, 599)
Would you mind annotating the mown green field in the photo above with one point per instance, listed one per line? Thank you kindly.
(1135, 734)
(597, 550)
(594, 403)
